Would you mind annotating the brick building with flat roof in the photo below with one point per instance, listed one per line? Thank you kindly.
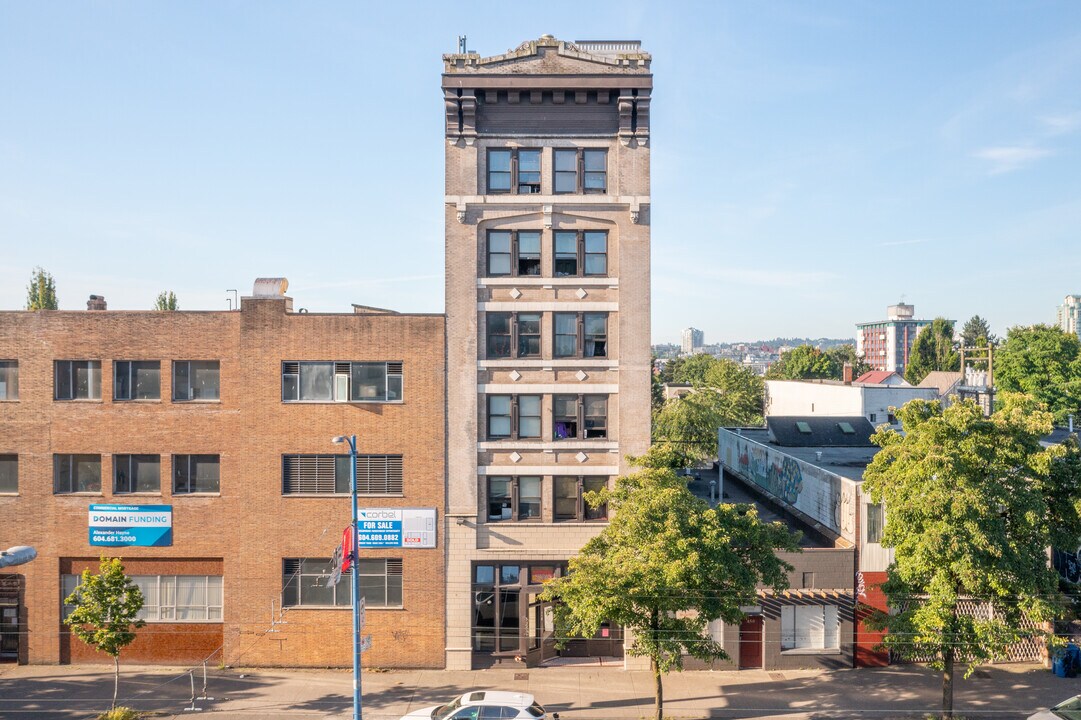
(218, 426)
(547, 298)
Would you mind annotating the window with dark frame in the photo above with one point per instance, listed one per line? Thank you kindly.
(196, 380)
(875, 522)
(136, 474)
(77, 380)
(580, 170)
(581, 335)
(329, 475)
(76, 474)
(354, 382)
(136, 380)
(513, 335)
(580, 253)
(514, 498)
(514, 171)
(514, 417)
(9, 380)
(9, 473)
(196, 474)
(514, 253)
(304, 583)
(582, 417)
(570, 501)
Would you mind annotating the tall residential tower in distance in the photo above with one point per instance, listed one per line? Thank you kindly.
(886, 344)
(547, 300)
(1069, 315)
(692, 340)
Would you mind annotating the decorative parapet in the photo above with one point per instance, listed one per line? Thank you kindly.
(624, 54)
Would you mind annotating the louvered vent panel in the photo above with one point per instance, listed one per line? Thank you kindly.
(379, 474)
(290, 368)
(308, 474)
(394, 567)
(394, 368)
(342, 368)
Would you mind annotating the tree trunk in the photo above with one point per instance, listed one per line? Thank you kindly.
(655, 666)
(947, 685)
(658, 689)
(116, 679)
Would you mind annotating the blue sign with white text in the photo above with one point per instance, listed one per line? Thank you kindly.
(396, 527)
(127, 525)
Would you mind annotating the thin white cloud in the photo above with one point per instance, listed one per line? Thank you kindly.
(915, 241)
(1007, 158)
(1061, 124)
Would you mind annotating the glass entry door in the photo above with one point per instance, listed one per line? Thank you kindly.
(497, 620)
(509, 623)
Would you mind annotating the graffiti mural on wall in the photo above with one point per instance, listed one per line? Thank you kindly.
(822, 495)
(784, 479)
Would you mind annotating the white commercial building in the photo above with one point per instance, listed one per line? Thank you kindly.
(831, 398)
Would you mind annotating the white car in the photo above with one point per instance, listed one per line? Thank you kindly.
(484, 705)
(1065, 710)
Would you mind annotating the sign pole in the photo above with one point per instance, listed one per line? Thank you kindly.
(355, 578)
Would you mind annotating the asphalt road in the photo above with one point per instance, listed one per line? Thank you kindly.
(576, 693)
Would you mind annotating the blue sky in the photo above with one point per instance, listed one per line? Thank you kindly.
(812, 162)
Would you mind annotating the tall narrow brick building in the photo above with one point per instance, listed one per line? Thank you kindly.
(547, 301)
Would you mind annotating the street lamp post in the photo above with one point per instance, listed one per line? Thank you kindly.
(351, 440)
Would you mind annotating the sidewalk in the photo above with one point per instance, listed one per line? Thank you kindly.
(576, 693)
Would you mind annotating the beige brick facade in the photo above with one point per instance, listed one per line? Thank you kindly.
(243, 532)
(548, 95)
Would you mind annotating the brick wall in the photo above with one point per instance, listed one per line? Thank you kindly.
(250, 526)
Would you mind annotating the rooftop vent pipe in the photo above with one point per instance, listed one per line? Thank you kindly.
(270, 287)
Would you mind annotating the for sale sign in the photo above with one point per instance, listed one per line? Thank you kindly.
(396, 527)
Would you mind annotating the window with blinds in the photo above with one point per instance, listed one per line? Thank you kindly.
(328, 381)
(329, 475)
(305, 583)
(809, 627)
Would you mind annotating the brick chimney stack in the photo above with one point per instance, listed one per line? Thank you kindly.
(846, 374)
(96, 302)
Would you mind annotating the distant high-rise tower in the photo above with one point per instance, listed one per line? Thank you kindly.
(692, 341)
(1069, 315)
(886, 344)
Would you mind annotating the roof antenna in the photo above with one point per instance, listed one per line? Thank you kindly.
(461, 45)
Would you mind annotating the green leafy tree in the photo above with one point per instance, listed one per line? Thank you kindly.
(656, 391)
(933, 349)
(665, 567)
(106, 606)
(970, 505)
(41, 292)
(166, 301)
(841, 354)
(727, 394)
(805, 362)
(1044, 362)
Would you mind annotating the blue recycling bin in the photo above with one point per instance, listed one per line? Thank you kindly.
(1073, 651)
(1058, 665)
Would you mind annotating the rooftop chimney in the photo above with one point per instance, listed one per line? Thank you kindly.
(846, 374)
(96, 302)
